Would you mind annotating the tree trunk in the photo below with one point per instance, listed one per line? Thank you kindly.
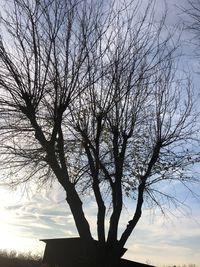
(138, 212)
(114, 220)
(81, 222)
(105, 255)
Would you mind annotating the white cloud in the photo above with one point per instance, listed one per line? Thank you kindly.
(25, 220)
(164, 242)
(156, 239)
(162, 254)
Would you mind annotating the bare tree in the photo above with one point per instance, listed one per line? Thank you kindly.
(90, 95)
(191, 22)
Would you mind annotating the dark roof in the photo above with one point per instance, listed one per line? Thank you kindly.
(52, 240)
(65, 249)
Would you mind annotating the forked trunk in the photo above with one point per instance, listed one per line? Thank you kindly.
(103, 255)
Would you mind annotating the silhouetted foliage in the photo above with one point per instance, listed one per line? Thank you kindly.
(14, 259)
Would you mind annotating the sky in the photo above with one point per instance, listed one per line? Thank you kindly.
(26, 216)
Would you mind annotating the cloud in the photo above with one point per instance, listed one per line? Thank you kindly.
(161, 254)
(156, 239)
(26, 220)
(165, 242)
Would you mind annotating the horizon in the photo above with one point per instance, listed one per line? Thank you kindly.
(156, 240)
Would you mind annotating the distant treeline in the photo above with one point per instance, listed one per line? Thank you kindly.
(15, 259)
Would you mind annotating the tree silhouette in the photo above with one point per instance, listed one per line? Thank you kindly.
(91, 95)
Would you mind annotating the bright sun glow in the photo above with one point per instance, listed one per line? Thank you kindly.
(11, 237)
